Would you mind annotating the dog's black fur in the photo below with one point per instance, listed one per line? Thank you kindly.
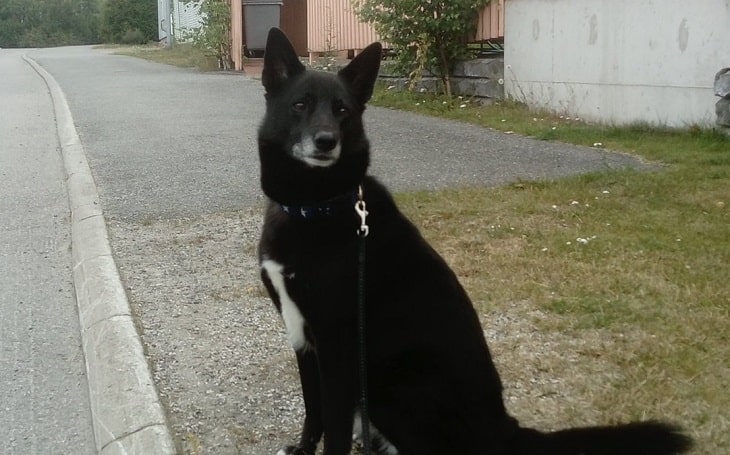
(432, 384)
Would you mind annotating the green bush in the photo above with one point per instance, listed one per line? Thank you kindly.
(40, 23)
(427, 35)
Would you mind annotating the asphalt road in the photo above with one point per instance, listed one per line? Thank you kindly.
(167, 142)
(44, 404)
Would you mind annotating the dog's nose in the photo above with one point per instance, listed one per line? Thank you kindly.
(325, 140)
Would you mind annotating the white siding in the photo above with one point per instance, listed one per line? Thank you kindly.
(618, 61)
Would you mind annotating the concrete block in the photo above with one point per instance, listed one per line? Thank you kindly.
(490, 68)
(121, 390)
(141, 442)
(483, 88)
(90, 239)
(99, 292)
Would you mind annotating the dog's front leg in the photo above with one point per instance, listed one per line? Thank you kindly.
(338, 377)
(312, 430)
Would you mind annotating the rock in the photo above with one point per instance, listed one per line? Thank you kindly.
(722, 109)
(722, 83)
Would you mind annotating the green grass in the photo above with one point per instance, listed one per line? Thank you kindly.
(640, 259)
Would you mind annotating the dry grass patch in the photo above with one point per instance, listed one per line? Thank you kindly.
(609, 292)
(182, 54)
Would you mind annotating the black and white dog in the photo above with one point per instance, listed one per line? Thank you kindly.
(433, 388)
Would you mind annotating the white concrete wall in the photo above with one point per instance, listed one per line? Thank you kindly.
(618, 61)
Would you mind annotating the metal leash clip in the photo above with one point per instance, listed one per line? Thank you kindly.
(364, 229)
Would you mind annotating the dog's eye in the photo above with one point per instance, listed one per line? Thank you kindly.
(341, 109)
(299, 106)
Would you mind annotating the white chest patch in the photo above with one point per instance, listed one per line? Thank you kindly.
(293, 319)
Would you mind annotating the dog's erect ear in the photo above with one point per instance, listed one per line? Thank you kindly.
(362, 72)
(280, 61)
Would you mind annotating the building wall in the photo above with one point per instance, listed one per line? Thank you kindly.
(334, 25)
(618, 61)
(185, 19)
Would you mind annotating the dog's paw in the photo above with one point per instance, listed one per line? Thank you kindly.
(294, 450)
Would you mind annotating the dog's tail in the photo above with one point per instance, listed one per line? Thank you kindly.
(641, 438)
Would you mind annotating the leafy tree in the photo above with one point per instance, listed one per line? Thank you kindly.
(38, 23)
(123, 19)
(214, 36)
(426, 34)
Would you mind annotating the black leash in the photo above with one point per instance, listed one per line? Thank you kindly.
(362, 233)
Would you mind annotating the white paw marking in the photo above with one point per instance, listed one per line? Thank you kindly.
(293, 319)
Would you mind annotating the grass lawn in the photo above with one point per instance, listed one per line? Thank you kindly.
(621, 276)
(615, 284)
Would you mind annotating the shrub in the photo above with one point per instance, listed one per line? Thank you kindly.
(426, 34)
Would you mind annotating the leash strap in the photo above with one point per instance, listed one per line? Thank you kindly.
(362, 233)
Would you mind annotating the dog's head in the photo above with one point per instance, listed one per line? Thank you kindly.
(313, 122)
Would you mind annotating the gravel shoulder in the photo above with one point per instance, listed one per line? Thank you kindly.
(224, 369)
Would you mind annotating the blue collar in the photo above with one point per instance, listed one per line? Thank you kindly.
(324, 209)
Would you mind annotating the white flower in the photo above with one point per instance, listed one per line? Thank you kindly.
(422, 90)
(390, 87)
(574, 202)
(462, 105)
(584, 241)
(598, 144)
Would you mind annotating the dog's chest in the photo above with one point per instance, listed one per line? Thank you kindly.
(290, 313)
(314, 282)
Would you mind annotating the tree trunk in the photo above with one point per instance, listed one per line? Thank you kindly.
(445, 70)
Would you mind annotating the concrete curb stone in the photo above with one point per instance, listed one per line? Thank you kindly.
(127, 415)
